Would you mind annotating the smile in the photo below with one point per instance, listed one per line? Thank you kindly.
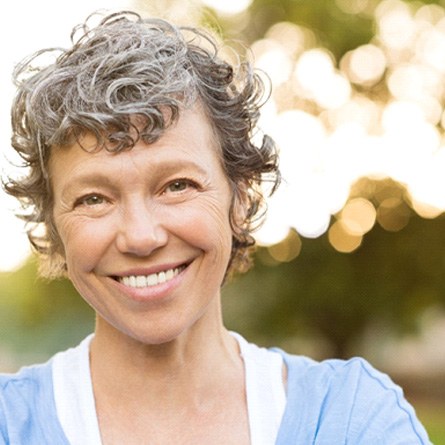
(140, 281)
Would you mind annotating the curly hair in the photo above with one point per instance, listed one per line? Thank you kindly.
(124, 70)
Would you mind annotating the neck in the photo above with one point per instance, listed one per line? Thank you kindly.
(180, 370)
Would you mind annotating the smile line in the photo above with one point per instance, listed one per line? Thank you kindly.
(141, 281)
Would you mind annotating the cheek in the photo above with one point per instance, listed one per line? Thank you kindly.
(83, 242)
(207, 227)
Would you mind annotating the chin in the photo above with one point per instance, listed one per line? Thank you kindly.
(157, 337)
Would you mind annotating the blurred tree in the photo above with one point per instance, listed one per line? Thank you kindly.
(335, 29)
(392, 277)
(340, 25)
(42, 316)
(325, 294)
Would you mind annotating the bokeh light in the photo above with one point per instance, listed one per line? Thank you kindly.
(376, 113)
(228, 6)
(396, 26)
(352, 6)
(287, 249)
(358, 216)
(393, 214)
(365, 65)
(342, 239)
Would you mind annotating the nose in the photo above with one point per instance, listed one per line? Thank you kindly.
(140, 231)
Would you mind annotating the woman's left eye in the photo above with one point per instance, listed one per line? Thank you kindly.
(179, 185)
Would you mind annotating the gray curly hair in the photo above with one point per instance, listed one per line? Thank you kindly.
(124, 70)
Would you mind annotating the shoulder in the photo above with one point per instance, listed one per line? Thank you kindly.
(27, 378)
(354, 373)
(27, 410)
(351, 399)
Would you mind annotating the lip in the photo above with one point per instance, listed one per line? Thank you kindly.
(150, 270)
(155, 293)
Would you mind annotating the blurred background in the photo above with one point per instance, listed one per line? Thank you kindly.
(351, 259)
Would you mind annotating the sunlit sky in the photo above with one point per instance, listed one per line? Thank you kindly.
(329, 131)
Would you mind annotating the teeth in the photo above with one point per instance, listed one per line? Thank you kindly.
(140, 281)
(150, 280)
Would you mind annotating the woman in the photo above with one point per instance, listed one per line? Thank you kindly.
(143, 175)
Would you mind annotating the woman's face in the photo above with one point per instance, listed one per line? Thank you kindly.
(146, 232)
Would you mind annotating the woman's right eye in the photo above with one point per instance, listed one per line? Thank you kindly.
(90, 200)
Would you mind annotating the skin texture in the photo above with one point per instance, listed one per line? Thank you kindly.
(163, 365)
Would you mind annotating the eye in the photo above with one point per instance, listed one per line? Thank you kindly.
(90, 200)
(180, 185)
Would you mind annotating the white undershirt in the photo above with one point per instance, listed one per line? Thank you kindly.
(74, 398)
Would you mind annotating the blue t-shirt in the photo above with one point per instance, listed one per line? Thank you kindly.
(328, 403)
(345, 402)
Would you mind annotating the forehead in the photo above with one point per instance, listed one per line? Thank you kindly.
(188, 141)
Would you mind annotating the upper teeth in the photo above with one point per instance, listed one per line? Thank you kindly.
(150, 280)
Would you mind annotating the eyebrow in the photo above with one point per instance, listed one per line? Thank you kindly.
(172, 166)
(166, 167)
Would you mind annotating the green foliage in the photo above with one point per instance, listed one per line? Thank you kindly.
(40, 316)
(432, 415)
(335, 29)
(390, 280)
